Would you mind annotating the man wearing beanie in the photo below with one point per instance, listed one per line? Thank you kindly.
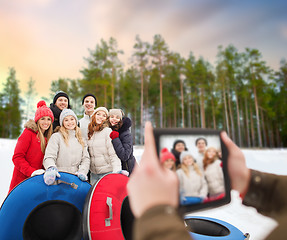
(90, 103)
(61, 101)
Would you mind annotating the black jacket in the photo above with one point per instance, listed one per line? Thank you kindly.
(123, 146)
(56, 111)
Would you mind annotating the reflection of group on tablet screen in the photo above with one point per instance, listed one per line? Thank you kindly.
(200, 174)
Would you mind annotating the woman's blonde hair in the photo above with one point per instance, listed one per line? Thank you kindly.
(78, 135)
(47, 134)
(94, 127)
(206, 160)
(184, 167)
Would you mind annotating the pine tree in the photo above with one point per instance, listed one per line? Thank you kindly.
(11, 123)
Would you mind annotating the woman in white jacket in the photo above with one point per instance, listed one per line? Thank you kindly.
(104, 159)
(213, 172)
(66, 150)
(191, 180)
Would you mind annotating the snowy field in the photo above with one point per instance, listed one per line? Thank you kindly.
(244, 218)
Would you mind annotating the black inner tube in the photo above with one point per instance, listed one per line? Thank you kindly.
(127, 219)
(53, 220)
(206, 227)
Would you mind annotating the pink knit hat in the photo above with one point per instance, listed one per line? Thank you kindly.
(165, 155)
(43, 111)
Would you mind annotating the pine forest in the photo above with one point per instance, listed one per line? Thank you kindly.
(239, 93)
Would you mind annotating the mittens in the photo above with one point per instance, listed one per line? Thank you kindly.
(124, 172)
(50, 175)
(114, 134)
(82, 177)
(38, 172)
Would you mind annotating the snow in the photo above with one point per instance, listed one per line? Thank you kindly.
(246, 219)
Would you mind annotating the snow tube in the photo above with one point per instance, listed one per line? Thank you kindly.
(190, 200)
(202, 228)
(33, 210)
(107, 214)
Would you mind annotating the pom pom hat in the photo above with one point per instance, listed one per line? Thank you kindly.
(165, 155)
(43, 111)
(65, 113)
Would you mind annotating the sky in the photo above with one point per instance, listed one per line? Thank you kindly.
(48, 39)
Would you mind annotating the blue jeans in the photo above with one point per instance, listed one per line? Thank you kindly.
(96, 177)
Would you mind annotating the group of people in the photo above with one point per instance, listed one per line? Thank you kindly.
(98, 144)
(200, 175)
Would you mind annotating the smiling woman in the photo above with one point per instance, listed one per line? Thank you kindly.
(66, 150)
(31, 145)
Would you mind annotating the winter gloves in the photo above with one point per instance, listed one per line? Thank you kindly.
(124, 172)
(82, 177)
(114, 134)
(52, 172)
(37, 172)
(50, 175)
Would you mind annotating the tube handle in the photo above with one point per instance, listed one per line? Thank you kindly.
(110, 205)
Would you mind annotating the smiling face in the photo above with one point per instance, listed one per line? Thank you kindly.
(114, 119)
(201, 145)
(69, 123)
(101, 116)
(169, 164)
(89, 105)
(211, 153)
(179, 147)
(62, 103)
(44, 123)
(188, 160)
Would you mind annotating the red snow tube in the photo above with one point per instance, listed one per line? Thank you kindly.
(107, 214)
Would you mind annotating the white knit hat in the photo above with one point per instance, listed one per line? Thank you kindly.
(184, 154)
(102, 109)
(67, 112)
(117, 112)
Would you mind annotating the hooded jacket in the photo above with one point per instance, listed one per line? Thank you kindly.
(69, 158)
(214, 178)
(193, 185)
(102, 153)
(28, 155)
(123, 146)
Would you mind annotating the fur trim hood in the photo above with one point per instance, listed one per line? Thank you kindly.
(127, 123)
(31, 125)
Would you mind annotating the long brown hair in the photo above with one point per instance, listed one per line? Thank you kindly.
(206, 160)
(47, 134)
(94, 127)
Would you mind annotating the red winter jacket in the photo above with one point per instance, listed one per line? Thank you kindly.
(28, 156)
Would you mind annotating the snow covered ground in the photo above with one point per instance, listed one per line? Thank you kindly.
(244, 218)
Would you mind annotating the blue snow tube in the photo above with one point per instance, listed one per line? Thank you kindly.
(33, 210)
(203, 228)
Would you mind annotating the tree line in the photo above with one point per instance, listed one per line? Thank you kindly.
(241, 94)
